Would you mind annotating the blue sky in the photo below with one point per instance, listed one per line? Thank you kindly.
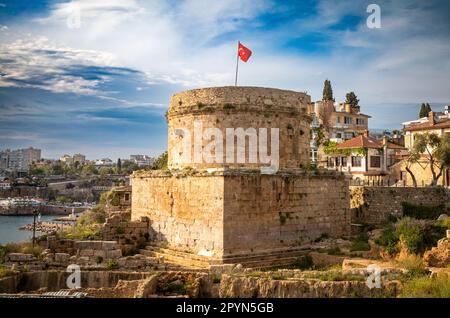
(102, 88)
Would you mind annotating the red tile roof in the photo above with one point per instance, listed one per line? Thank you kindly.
(445, 123)
(366, 142)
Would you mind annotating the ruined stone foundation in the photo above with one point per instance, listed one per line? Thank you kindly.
(215, 210)
(241, 216)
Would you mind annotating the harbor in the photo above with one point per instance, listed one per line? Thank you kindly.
(27, 206)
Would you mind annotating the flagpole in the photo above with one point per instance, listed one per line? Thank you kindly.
(237, 66)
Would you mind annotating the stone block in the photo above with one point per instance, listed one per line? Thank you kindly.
(100, 253)
(87, 252)
(109, 245)
(20, 257)
(113, 254)
(62, 257)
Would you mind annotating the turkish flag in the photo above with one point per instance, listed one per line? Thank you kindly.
(243, 52)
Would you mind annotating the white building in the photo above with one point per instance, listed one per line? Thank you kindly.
(104, 162)
(19, 159)
(365, 158)
(142, 160)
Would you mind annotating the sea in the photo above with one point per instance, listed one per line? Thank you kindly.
(9, 227)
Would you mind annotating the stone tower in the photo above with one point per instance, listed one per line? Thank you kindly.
(216, 208)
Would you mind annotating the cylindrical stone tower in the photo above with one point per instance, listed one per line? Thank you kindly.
(206, 124)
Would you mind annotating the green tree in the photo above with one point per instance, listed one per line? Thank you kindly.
(351, 98)
(129, 166)
(327, 91)
(119, 165)
(160, 162)
(423, 111)
(57, 168)
(425, 108)
(435, 150)
(89, 170)
(104, 171)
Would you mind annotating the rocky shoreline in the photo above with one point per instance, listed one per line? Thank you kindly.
(47, 227)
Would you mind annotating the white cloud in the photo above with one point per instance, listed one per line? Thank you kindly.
(38, 63)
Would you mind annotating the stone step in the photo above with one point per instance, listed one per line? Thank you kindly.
(177, 253)
(260, 260)
(177, 260)
(267, 256)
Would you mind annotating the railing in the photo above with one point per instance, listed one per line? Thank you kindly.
(384, 183)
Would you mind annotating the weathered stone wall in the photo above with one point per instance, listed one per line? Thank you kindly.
(82, 252)
(241, 107)
(268, 212)
(185, 212)
(127, 233)
(375, 204)
(226, 214)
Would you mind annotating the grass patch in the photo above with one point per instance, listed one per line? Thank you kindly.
(4, 272)
(112, 264)
(278, 276)
(334, 251)
(88, 225)
(361, 243)
(425, 287)
(24, 247)
(413, 263)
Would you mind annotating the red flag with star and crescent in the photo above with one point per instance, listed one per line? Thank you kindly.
(243, 52)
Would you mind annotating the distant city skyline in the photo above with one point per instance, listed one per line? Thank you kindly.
(101, 87)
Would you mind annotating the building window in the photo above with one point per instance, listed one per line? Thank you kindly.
(339, 119)
(349, 135)
(360, 121)
(375, 161)
(348, 120)
(344, 161)
(356, 161)
(331, 162)
(338, 135)
(337, 161)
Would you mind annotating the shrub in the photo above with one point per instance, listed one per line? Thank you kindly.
(112, 264)
(24, 247)
(120, 231)
(96, 215)
(359, 246)
(4, 272)
(411, 231)
(389, 239)
(425, 287)
(304, 262)
(418, 235)
(334, 251)
(216, 280)
(78, 232)
(413, 263)
(99, 259)
(360, 243)
(278, 276)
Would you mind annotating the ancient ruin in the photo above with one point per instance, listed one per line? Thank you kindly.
(217, 210)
